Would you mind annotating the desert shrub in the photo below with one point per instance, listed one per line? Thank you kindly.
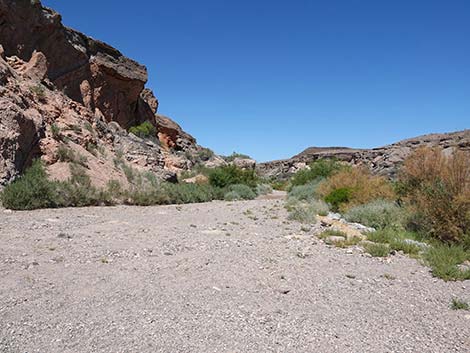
(31, 191)
(234, 155)
(144, 130)
(39, 91)
(229, 175)
(459, 304)
(304, 192)
(378, 214)
(66, 154)
(444, 260)
(281, 185)
(437, 188)
(55, 131)
(263, 189)
(377, 250)
(192, 193)
(78, 191)
(243, 192)
(232, 196)
(320, 169)
(398, 240)
(204, 154)
(355, 186)
(306, 212)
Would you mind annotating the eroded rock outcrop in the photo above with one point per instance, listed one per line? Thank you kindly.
(87, 70)
(384, 160)
(60, 89)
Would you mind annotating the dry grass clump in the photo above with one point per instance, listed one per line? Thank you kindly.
(437, 187)
(354, 186)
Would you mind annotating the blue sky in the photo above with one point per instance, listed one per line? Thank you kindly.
(270, 78)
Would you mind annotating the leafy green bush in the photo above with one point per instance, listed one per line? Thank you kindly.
(229, 175)
(33, 190)
(338, 196)
(378, 214)
(144, 130)
(320, 169)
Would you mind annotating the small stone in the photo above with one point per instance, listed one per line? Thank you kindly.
(167, 253)
(333, 239)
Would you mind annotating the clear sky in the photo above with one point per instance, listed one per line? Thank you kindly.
(270, 78)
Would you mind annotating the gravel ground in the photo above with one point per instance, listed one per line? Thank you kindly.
(215, 277)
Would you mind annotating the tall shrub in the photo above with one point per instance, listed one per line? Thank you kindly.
(437, 187)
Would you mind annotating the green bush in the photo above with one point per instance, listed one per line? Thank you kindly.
(320, 169)
(378, 214)
(33, 190)
(229, 175)
(337, 197)
(144, 130)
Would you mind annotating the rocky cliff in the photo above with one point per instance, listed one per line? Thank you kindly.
(60, 89)
(384, 160)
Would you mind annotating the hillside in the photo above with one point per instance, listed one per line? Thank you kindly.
(66, 97)
(382, 160)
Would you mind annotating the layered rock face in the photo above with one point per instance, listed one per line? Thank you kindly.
(384, 160)
(61, 89)
(87, 70)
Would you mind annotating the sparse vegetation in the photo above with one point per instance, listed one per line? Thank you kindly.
(204, 154)
(66, 154)
(378, 214)
(306, 212)
(234, 155)
(55, 131)
(38, 91)
(459, 304)
(444, 260)
(377, 249)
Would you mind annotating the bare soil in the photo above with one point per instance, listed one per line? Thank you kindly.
(215, 277)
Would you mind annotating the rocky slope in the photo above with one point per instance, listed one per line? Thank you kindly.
(60, 89)
(382, 160)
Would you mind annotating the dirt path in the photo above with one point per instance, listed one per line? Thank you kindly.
(216, 277)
